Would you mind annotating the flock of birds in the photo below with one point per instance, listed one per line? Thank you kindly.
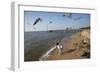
(69, 15)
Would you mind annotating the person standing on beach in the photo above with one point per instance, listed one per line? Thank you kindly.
(59, 47)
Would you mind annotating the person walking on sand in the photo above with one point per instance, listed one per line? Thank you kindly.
(59, 47)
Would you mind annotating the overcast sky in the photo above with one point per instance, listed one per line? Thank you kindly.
(58, 21)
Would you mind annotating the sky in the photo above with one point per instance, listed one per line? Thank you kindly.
(58, 21)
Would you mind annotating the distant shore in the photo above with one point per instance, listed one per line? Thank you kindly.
(76, 47)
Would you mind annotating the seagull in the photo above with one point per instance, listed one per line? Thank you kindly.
(78, 18)
(37, 20)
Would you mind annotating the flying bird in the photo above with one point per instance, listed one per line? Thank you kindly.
(50, 21)
(69, 15)
(78, 18)
(37, 20)
(65, 14)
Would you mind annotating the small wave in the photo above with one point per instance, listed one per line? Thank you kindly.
(47, 54)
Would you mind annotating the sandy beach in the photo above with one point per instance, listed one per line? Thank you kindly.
(76, 47)
(56, 35)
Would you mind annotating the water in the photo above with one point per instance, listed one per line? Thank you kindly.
(37, 43)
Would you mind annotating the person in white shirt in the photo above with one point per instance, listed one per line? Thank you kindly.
(59, 47)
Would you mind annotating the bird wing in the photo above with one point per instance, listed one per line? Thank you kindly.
(36, 21)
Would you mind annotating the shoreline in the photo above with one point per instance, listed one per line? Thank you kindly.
(39, 43)
(74, 48)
